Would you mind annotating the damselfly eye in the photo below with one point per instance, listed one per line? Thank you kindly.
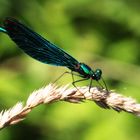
(98, 74)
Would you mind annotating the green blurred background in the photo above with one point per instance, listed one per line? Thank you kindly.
(102, 33)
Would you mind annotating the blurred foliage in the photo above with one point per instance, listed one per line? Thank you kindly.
(104, 34)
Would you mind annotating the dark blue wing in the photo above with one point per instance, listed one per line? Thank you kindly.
(36, 46)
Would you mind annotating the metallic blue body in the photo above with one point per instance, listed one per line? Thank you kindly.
(2, 30)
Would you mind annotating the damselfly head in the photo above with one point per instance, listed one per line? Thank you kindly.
(97, 74)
